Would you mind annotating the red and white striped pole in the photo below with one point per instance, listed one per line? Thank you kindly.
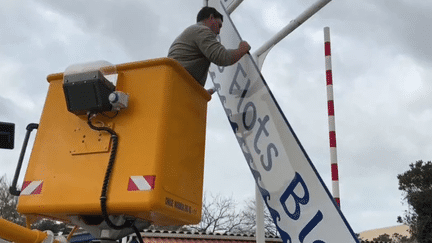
(331, 117)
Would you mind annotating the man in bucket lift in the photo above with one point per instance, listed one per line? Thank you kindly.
(196, 47)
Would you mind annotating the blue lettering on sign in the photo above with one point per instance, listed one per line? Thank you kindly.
(269, 164)
(235, 86)
(245, 112)
(238, 89)
(310, 226)
(298, 200)
(261, 129)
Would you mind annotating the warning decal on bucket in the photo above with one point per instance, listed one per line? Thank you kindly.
(141, 183)
(31, 187)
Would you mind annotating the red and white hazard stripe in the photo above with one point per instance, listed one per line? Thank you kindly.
(141, 183)
(331, 117)
(31, 187)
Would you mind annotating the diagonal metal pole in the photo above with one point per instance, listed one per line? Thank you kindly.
(260, 54)
(233, 6)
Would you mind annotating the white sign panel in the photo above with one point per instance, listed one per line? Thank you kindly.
(297, 198)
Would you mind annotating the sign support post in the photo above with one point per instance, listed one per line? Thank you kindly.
(298, 200)
(259, 55)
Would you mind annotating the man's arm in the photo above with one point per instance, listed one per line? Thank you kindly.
(242, 50)
(216, 52)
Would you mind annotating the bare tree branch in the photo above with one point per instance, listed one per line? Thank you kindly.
(219, 215)
(250, 220)
(8, 204)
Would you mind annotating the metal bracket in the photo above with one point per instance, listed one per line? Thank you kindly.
(86, 141)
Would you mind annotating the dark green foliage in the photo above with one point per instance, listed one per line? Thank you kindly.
(395, 238)
(416, 183)
(383, 238)
(54, 226)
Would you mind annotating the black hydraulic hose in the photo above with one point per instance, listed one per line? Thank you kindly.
(103, 198)
(138, 234)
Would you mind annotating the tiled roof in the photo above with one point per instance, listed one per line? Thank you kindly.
(161, 236)
(157, 236)
(202, 235)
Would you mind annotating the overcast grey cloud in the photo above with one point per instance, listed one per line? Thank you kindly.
(381, 69)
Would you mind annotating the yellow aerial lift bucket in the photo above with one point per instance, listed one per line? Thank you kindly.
(159, 163)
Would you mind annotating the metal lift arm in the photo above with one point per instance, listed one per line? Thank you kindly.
(15, 233)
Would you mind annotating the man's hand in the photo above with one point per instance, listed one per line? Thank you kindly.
(211, 91)
(244, 48)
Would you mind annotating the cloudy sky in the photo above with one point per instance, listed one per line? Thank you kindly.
(381, 70)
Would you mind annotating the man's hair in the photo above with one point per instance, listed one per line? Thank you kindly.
(205, 13)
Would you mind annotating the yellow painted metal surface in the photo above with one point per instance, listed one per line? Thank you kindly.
(161, 134)
(16, 233)
(87, 142)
